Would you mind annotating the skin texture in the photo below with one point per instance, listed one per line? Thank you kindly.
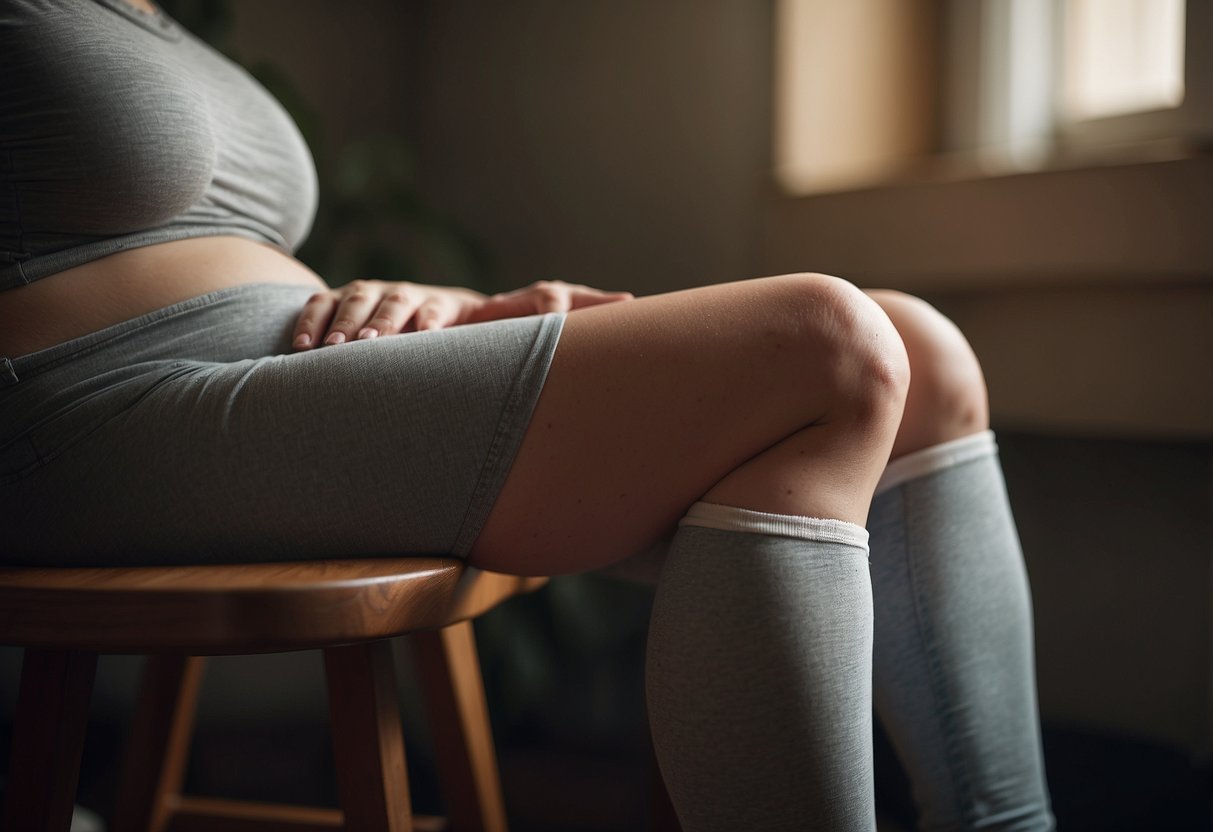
(122, 286)
(947, 397)
(571, 503)
(782, 394)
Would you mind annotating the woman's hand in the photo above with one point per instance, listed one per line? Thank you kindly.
(541, 297)
(369, 308)
(366, 309)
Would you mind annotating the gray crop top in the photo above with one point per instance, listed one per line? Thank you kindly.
(119, 129)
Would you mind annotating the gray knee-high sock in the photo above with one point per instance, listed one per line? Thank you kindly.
(759, 674)
(953, 667)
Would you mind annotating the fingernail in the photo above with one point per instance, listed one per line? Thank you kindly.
(368, 332)
(302, 341)
(335, 338)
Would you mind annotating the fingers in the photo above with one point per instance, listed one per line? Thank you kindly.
(361, 309)
(314, 320)
(359, 299)
(367, 309)
(585, 296)
(507, 305)
(438, 311)
(395, 310)
(545, 296)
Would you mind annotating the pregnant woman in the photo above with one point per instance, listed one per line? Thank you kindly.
(175, 387)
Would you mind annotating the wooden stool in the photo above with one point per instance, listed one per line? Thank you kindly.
(64, 618)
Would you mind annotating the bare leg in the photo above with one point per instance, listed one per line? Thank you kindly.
(946, 400)
(769, 400)
(778, 395)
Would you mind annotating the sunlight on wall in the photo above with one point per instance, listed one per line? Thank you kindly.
(852, 91)
(1122, 56)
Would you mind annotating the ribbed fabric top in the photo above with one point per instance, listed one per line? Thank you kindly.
(119, 129)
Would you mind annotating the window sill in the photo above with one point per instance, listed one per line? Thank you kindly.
(1112, 223)
(1087, 293)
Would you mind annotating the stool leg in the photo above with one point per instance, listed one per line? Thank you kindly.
(367, 745)
(48, 738)
(153, 768)
(449, 674)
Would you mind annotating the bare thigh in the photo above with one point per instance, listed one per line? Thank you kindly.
(751, 393)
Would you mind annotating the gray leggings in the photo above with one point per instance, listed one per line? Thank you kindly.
(192, 434)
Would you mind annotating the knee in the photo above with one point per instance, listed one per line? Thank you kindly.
(947, 398)
(863, 360)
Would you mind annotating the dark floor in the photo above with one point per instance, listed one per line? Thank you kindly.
(1098, 782)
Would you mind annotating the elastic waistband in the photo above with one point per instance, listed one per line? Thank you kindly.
(13, 370)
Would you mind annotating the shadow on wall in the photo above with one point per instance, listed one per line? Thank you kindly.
(372, 220)
(622, 144)
(561, 154)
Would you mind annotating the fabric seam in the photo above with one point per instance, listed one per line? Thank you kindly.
(491, 474)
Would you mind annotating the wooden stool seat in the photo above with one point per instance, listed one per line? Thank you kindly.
(64, 618)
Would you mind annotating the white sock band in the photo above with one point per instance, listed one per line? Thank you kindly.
(733, 519)
(936, 458)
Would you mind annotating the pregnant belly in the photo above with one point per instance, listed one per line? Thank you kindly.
(113, 289)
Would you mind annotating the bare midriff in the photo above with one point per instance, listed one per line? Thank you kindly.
(103, 292)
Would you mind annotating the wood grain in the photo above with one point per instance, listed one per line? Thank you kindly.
(448, 672)
(368, 748)
(64, 617)
(242, 609)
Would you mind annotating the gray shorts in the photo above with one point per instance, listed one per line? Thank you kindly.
(193, 434)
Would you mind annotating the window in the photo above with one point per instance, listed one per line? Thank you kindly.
(1135, 71)
(869, 91)
(1121, 56)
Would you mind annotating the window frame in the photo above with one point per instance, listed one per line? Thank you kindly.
(1189, 124)
(983, 126)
